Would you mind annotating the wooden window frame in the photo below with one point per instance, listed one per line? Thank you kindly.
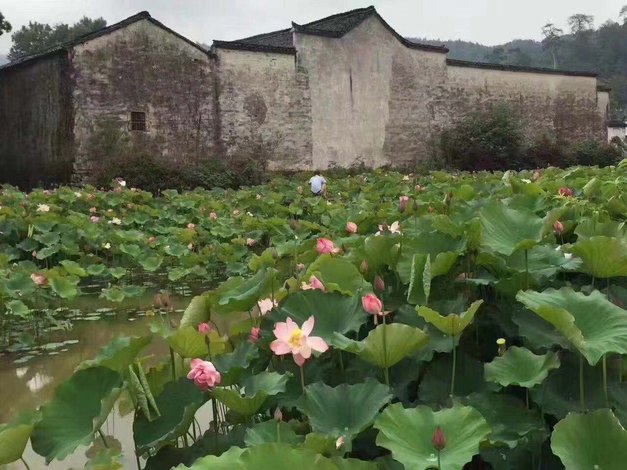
(138, 122)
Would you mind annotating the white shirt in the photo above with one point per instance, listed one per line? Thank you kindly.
(316, 182)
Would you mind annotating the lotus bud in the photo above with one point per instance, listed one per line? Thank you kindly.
(565, 192)
(558, 227)
(502, 344)
(536, 175)
(378, 284)
(351, 227)
(255, 333)
(278, 416)
(438, 440)
(363, 267)
(204, 328)
(213, 216)
(339, 442)
(402, 203)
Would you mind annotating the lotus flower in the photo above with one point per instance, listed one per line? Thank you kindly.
(402, 203)
(236, 212)
(536, 175)
(339, 442)
(250, 242)
(204, 328)
(299, 190)
(43, 208)
(378, 284)
(39, 279)
(565, 192)
(191, 226)
(255, 332)
(94, 219)
(438, 440)
(418, 188)
(314, 283)
(152, 240)
(394, 228)
(107, 246)
(295, 340)
(213, 216)
(278, 416)
(372, 304)
(558, 227)
(116, 221)
(190, 246)
(93, 210)
(77, 194)
(325, 246)
(351, 227)
(258, 197)
(204, 374)
(265, 305)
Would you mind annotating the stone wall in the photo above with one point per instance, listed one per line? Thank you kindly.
(143, 68)
(36, 144)
(265, 108)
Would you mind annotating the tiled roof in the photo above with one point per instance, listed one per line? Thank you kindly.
(334, 26)
(517, 68)
(616, 123)
(144, 15)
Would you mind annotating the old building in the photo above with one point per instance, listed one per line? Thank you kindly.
(339, 91)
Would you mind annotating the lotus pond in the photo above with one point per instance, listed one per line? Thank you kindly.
(443, 321)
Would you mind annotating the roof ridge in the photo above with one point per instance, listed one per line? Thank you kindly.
(338, 15)
(262, 35)
(519, 68)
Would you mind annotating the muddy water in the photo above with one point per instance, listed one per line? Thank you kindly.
(28, 379)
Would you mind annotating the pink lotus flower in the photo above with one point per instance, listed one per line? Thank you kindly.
(565, 192)
(152, 240)
(295, 340)
(39, 279)
(372, 304)
(325, 246)
(204, 328)
(191, 226)
(418, 188)
(438, 440)
(378, 283)
(351, 227)
(94, 219)
(558, 227)
(255, 332)
(278, 416)
(402, 203)
(314, 283)
(250, 242)
(213, 216)
(204, 374)
(265, 305)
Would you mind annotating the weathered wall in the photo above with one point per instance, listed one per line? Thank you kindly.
(265, 108)
(36, 145)
(143, 68)
(563, 106)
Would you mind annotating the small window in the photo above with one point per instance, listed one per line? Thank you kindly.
(138, 121)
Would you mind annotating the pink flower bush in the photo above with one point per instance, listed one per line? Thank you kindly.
(204, 374)
(314, 283)
(204, 328)
(372, 304)
(326, 246)
(290, 339)
(351, 227)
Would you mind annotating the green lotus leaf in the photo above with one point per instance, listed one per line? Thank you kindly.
(451, 324)
(602, 257)
(576, 316)
(508, 417)
(408, 434)
(506, 230)
(345, 410)
(538, 333)
(72, 267)
(283, 457)
(78, 409)
(253, 392)
(14, 436)
(333, 312)
(336, 274)
(188, 342)
(229, 460)
(271, 431)
(113, 294)
(65, 287)
(20, 284)
(243, 405)
(519, 366)
(150, 262)
(178, 402)
(119, 353)
(232, 365)
(385, 345)
(443, 251)
(420, 280)
(19, 308)
(240, 295)
(198, 311)
(592, 440)
(130, 249)
(96, 269)
(117, 272)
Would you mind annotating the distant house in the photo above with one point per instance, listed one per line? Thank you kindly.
(340, 91)
(616, 128)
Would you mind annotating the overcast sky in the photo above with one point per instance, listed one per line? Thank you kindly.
(485, 21)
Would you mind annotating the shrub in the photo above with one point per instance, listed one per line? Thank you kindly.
(485, 140)
(591, 152)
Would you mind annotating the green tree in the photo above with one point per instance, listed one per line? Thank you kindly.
(579, 23)
(552, 40)
(5, 26)
(35, 37)
(623, 14)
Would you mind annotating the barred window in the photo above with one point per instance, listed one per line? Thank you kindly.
(138, 121)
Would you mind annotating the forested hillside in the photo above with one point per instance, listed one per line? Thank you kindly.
(584, 47)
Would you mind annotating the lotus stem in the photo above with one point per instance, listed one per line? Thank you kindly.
(25, 464)
(386, 373)
(582, 402)
(527, 397)
(454, 367)
(302, 377)
(139, 465)
(173, 364)
(526, 269)
(216, 416)
(341, 361)
(278, 432)
(439, 465)
(605, 379)
(102, 436)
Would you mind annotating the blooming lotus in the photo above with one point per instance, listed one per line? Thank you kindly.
(93, 210)
(402, 203)
(325, 246)
(94, 219)
(290, 339)
(213, 216)
(116, 221)
(394, 228)
(39, 279)
(191, 226)
(204, 374)
(250, 242)
(265, 305)
(77, 194)
(204, 328)
(107, 246)
(258, 197)
(43, 208)
(314, 283)
(565, 192)
(351, 227)
(339, 442)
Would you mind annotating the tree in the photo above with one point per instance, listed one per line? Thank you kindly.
(5, 26)
(623, 14)
(552, 39)
(579, 23)
(36, 37)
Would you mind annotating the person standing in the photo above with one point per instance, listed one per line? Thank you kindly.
(318, 184)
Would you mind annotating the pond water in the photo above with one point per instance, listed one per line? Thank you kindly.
(28, 378)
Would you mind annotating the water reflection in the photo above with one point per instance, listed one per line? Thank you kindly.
(29, 379)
